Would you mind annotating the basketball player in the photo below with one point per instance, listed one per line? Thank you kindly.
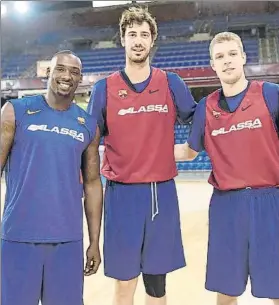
(238, 127)
(136, 109)
(45, 141)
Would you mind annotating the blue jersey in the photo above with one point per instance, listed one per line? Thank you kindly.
(44, 192)
(270, 93)
(182, 97)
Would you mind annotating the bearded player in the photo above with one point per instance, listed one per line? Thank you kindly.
(136, 109)
(238, 127)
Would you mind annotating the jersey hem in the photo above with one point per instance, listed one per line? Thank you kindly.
(41, 240)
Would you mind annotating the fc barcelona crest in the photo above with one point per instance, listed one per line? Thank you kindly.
(81, 120)
(216, 114)
(123, 93)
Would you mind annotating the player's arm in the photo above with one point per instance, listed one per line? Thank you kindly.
(195, 143)
(183, 99)
(7, 132)
(97, 105)
(93, 202)
(271, 95)
(183, 152)
(277, 112)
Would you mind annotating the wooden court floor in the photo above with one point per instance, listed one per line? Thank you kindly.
(186, 286)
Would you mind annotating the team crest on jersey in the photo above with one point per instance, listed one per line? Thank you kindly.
(123, 93)
(216, 114)
(81, 120)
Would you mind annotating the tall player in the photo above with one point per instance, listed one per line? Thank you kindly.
(137, 108)
(238, 127)
(45, 142)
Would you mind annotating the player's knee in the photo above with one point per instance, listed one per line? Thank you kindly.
(223, 299)
(155, 285)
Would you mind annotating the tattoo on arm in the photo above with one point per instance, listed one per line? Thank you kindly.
(7, 132)
(93, 192)
(91, 160)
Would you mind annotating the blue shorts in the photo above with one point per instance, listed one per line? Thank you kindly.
(142, 230)
(243, 242)
(52, 273)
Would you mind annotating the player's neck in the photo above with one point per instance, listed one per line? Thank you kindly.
(138, 73)
(58, 103)
(236, 88)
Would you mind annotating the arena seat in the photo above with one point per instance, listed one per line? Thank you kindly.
(168, 55)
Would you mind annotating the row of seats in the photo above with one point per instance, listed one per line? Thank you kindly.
(13, 67)
(96, 33)
(170, 28)
(172, 59)
(203, 49)
(174, 55)
(193, 166)
(192, 57)
(94, 68)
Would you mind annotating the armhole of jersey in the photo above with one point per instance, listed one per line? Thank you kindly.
(178, 120)
(277, 118)
(94, 129)
(104, 112)
(205, 112)
(276, 122)
(169, 86)
(88, 126)
(19, 110)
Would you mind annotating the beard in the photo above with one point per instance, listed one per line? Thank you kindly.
(138, 59)
(59, 91)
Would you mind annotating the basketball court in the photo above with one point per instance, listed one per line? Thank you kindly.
(186, 286)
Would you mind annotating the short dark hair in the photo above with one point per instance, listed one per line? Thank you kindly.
(65, 52)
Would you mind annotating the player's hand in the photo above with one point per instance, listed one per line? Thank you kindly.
(180, 152)
(93, 259)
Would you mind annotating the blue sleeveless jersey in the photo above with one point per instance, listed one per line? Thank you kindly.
(44, 191)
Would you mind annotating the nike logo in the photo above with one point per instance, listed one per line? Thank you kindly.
(245, 107)
(33, 112)
(153, 91)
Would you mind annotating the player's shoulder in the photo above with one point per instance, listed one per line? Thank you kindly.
(82, 113)
(86, 119)
(175, 81)
(101, 82)
(201, 105)
(271, 87)
(173, 77)
(26, 100)
(113, 76)
(100, 86)
(22, 105)
(202, 102)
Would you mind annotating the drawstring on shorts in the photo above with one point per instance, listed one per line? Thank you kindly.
(154, 200)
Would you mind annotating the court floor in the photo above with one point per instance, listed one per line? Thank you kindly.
(186, 286)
